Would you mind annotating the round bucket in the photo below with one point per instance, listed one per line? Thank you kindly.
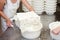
(52, 26)
(31, 35)
(30, 24)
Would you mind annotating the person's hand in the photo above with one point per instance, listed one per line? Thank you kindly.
(56, 31)
(9, 23)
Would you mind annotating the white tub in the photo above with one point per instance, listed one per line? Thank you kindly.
(30, 24)
(31, 35)
(52, 26)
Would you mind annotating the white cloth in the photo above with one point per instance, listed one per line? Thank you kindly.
(28, 21)
(10, 10)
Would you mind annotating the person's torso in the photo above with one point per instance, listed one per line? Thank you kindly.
(11, 8)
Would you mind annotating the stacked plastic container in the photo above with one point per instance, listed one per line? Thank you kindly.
(50, 6)
(25, 8)
(38, 6)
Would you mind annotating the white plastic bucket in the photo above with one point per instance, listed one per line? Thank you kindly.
(29, 24)
(31, 35)
(52, 26)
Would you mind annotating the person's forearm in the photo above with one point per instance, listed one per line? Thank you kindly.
(3, 15)
(27, 5)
